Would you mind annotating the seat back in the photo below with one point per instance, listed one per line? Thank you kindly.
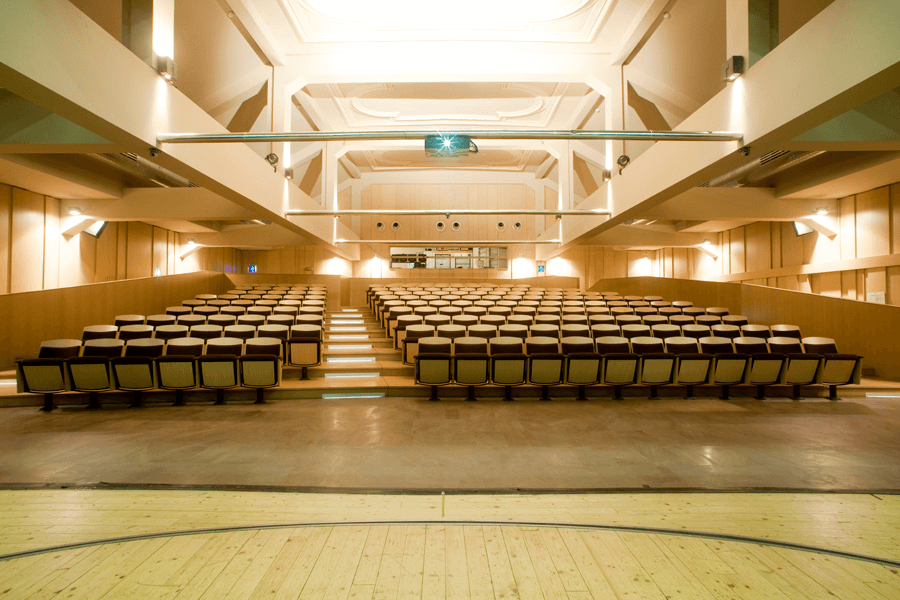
(133, 373)
(218, 371)
(42, 375)
(611, 344)
(242, 332)
(104, 347)
(186, 346)
(146, 347)
(545, 368)
(95, 332)
(820, 345)
(471, 368)
(647, 345)
(583, 368)
(434, 368)
(135, 332)
(786, 331)
(225, 345)
(260, 370)
(619, 368)
(577, 344)
(657, 368)
(89, 373)
(66, 348)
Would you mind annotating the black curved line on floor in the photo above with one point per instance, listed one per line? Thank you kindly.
(723, 537)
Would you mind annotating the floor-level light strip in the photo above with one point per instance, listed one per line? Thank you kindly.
(346, 322)
(346, 329)
(350, 346)
(371, 375)
(350, 359)
(348, 337)
(352, 395)
(871, 395)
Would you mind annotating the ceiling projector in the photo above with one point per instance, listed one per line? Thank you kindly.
(449, 145)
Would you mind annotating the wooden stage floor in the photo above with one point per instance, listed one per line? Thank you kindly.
(391, 444)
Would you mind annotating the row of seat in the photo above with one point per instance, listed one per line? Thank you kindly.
(618, 362)
(137, 374)
(201, 328)
(409, 339)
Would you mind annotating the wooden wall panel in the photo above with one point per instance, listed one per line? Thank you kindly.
(51, 243)
(107, 253)
(847, 232)
(848, 285)
(873, 218)
(5, 218)
(139, 261)
(895, 218)
(122, 251)
(159, 254)
(64, 312)
(27, 238)
(893, 285)
(827, 284)
(737, 250)
(759, 246)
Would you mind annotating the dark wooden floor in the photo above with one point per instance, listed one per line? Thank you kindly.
(399, 443)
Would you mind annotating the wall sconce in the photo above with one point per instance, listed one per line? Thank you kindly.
(288, 173)
(166, 67)
(733, 68)
(75, 211)
(607, 175)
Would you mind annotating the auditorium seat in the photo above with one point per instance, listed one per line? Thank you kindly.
(43, 376)
(513, 330)
(225, 345)
(757, 331)
(682, 320)
(103, 347)
(135, 332)
(545, 367)
(218, 372)
(738, 320)
(619, 368)
(305, 347)
(90, 374)
(837, 369)
(495, 320)
(471, 369)
(191, 320)
(786, 331)
(604, 330)
(663, 331)
(692, 366)
(404, 321)
(696, 331)
(168, 332)
(97, 332)
(410, 347)
(133, 374)
(186, 346)
(155, 321)
(123, 320)
(542, 330)
(801, 368)
(434, 369)
(206, 311)
(464, 320)
(222, 320)
(601, 320)
(729, 367)
(146, 347)
(253, 320)
(206, 332)
(260, 371)
(582, 364)
(574, 330)
(726, 331)
(633, 330)
(708, 320)
(482, 331)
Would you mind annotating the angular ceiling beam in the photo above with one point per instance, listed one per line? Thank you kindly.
(125, 101)
(139, 204)
(778, 99)
(443, 62)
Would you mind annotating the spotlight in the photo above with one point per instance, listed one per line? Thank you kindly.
(821, 211)
(456, 225)
(379, 225)
(288, 173)
(166, 67)
(395, 226)
(733, 68)
(607, 175)
(75, 211)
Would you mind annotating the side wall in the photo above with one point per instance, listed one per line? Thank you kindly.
(35, 255)
(862, 328)
(862, 258)
(32, 317)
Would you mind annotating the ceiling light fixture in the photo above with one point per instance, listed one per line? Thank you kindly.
(733, 68)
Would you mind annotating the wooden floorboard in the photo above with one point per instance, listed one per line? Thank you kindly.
(443, 561)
